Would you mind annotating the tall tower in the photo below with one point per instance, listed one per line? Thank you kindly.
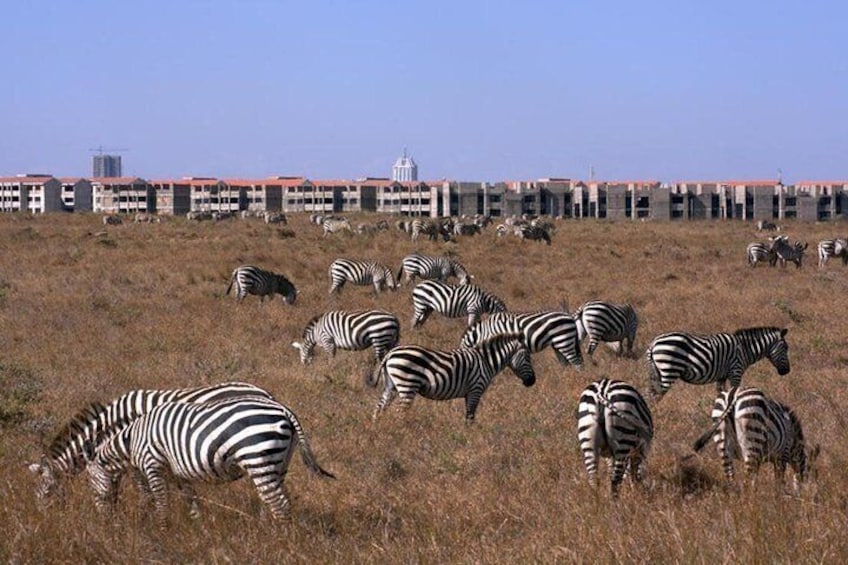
(106, 166)
(405, 169)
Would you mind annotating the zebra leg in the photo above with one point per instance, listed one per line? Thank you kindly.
(188, 494)
(158, 488)
(472, 400)
(593, 344)
(386, 398)
(619, 466)
(420, 317)
(272, 492)
(143, 488)
(590, 462)
(473, 317)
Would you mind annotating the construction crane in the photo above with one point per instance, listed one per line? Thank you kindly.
(100, 149)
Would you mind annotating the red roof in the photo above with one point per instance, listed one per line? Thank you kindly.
(26, 179)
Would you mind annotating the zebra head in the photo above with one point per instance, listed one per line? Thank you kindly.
(756, 343)
(461, 274)
(307, 346)
(48, 481)
(105, 473)
(473, 335)
(512, 349)
(287, 289)
(778, 353)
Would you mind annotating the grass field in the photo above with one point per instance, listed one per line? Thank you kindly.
(87, 313)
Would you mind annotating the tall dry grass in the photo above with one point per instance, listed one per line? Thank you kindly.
(86, 316)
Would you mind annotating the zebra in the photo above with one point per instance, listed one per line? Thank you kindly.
(432, 267)
(444, 375)
(466, 229)
(213, 442)
(353, 331)
(765, 225)
(112, 220)
(750, 426)
(361, 273)
(786, 251)
(452, 301)
(535, 233)
(702, 359)
(758, 251)
(65, 455)
(429, 228)
(275, 218)
(828, 248)
(333, 225)
(613, 420)
(253, 280)
(602, 321)
(538, 330)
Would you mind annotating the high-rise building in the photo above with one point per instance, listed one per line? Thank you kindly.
(405, 169)
(106, 166)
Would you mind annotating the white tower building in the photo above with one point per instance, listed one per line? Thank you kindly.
(405, 169)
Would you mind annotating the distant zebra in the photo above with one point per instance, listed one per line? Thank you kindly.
(758, 251)
(253, 280)
(612, 323)
(765, 225)
(361, 273)
(452, 301)
(331, 225)
(431, 267)
(352, 331)
(112, 220)
(212, 442)
(429, 228)
(828, 248)
(538, 329)
(614, 421)
(65, 455)
(792, 252)
(535, 233)
(466, 229)
(750, 426)
(275, 218)
(444, 375)
(702, 359)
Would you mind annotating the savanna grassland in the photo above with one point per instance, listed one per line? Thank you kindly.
(87, 313)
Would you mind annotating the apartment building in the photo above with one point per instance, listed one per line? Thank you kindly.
(122, 195)
(34, 193)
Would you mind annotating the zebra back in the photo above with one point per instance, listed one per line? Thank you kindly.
(349, 330)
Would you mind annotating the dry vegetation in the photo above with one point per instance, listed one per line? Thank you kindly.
(86, 315)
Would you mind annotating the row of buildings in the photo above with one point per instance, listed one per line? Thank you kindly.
(617, 200)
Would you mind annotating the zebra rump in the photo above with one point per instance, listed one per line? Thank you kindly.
(352, 331)
(750, 426)
(610, 323)
(94, 423)
(538, 330)
(613, 420)
(360, 273)
(213, 442)
(432, 267)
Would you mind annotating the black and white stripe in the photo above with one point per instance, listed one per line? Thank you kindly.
(610, 323)
(65, 455)
(431, 267)
(361, 273)
(333, 225)
(828, 248)
(750, 426)
(703, 359)
(535, 233)
(538, 329)
(212, 442)
(452, 301)
(444, 375)
(614, 421)
(758, 251)
(352, 331)
(253, 280)
(430, 228)
(789, 252)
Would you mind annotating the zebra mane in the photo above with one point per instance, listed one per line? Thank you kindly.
(746, 332)
(501, 338)
(310, 325)
(84, 420)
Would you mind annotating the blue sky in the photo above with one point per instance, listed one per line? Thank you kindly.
(666, 90)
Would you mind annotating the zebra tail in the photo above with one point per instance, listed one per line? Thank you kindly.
(229, 288)
(653, 374)
(306, 453)
(642, 433)
(399, 274)
(373, 378)
(705, 437)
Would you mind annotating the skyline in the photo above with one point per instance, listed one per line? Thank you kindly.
(475, 90)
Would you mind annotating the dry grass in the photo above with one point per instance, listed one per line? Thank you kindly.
(86, 316)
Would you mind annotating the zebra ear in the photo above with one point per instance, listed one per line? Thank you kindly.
(783, 332)
(88, 450)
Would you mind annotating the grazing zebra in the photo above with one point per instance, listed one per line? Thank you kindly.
(275, 218)
(253, 280)
(758, 251)
(429, 228)
(702, 359)
(361, 273)
(213, 442)
(765, 225)
(786, 251)
(538, 329)
(333, 225)
(444, 375)
(353, 331)
(535, 233)
(452, 301)
(112, 220)
(612, 323)
(614, 421)
(65, 455)
(750, 426)
(432, 267)
(828, 248)
(466, 229)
